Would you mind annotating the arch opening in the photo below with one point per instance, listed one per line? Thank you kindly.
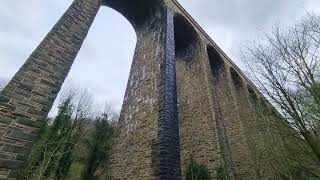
(137, 12)
(236, 78)
(102, 69)
(216, 63)
(186, 38)
(252, 93)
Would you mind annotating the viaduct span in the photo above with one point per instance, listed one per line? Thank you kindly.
(185, 99)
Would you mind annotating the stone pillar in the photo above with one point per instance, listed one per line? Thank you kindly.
(247, 119)
(241, 151)
(265, 169)
(231, 131)
(220, 96)
(197, 128)
(169, 150)
(27, 99)
(147, 143)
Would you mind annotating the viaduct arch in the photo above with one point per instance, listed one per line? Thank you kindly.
(182, 101)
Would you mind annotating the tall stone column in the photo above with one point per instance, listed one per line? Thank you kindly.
(147, 144)
(169, 150)
(29, 96)
(237, 159)
(241, 151)
(247, 120)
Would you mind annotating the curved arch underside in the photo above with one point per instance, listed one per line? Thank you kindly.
(136, 11)
(186, 38)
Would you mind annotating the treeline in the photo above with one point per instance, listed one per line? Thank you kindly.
(75, 143)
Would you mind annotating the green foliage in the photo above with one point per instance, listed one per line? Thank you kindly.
(197, 172)
(65, 162)
(52, 156)
(34, 157)
(99, 146)
(221, 173)
(299, 173)
(75, 172)
(58, 141)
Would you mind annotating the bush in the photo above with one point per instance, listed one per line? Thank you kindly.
(197, 172)
(222, 174)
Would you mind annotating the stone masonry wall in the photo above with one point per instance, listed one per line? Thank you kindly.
(27, 99)
(265, 170)
(179, 104)
(232, 132)
(147, 146)
(247, 119)
(198, 140)
(135, 150)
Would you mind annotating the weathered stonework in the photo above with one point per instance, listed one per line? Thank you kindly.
(185, 99)
(28, 97)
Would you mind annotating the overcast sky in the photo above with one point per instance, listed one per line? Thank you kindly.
(103, 63)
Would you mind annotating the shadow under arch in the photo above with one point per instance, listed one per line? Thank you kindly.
(137, 12)
(237, 80)
(217, 64)
(187, 42)
(254, 98)
(251, 91)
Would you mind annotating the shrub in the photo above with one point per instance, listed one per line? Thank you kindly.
(197, 172)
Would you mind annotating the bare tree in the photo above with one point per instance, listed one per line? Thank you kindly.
(82, 109)
(54, 152)
(285, 65)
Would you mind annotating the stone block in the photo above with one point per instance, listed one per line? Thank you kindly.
(23, 136)
(5, 120)
(10, 164)
(4, 98)
(16, 149)
(29, 122)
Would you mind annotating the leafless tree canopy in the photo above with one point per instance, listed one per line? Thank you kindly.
(285, 65)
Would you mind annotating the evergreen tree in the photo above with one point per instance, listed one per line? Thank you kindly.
(58, 137)
(35, 156)
(82, 112)
(100, 146)
(45, 154)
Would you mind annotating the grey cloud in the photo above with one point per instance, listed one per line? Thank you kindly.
(242, 13)
(232, 23)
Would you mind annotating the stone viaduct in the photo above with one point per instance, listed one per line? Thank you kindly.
(185, 99)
